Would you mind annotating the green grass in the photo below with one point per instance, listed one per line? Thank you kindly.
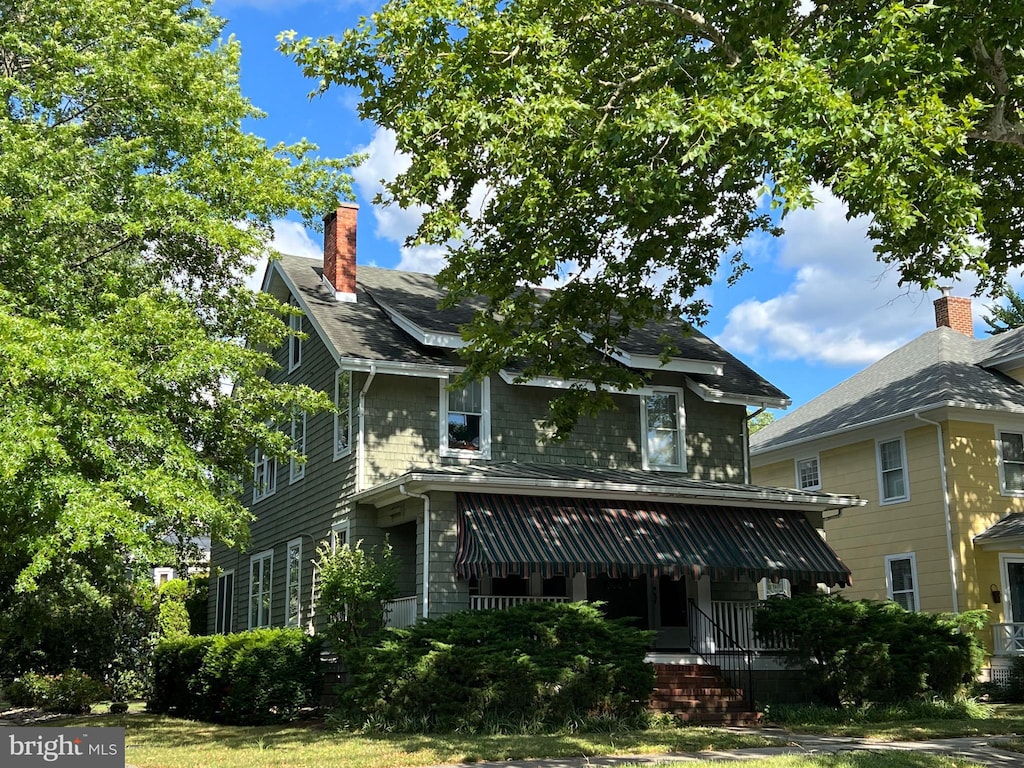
(842, 760)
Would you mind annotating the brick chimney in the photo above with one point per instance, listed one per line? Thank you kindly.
(954, 312)
(340, 251)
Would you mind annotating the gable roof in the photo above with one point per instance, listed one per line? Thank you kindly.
(939, 368)
(395, 320)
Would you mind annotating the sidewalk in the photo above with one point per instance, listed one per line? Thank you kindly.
(978, 749)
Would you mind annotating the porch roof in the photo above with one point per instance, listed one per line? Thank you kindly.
(1008, 531)
(511, 534)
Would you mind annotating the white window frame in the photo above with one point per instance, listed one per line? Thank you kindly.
(766, 588)
(297, 468)
(266, 466)
(264, 598)
(903, 468)
(485, 422)
(223, 621)
(162, 576)
(293, 584)
(342, 417)
(294, 342)
(817, 471)
(339, 534)
(1002, 462)
(915, 590)
(680, 430)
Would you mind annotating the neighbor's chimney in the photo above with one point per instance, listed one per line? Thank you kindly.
(954, 312)
(340, 251)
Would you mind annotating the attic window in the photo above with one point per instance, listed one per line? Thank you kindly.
(661, 414)
(465, 419)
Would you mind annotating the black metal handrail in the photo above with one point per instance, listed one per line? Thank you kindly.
(716, 646)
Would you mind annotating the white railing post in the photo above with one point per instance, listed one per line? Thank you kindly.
(401, 612)
(501, 602)
(1008, 639)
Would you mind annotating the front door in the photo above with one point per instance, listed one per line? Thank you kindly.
(671, 612)
(623, 598)
(1013, 588)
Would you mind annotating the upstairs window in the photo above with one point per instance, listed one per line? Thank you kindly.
(264, 480)
(892, 471)
(342, 414)
(298, 467)
(294, 342)
(1011, 462)
(465, 419)
(901, 580)
(808, 475)
(661, 415)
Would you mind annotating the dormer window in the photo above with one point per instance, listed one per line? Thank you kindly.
(661, 415)
(465, 419)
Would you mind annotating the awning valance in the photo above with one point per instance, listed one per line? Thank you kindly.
(503, 535)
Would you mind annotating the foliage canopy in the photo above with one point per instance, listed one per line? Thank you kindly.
(633, 146)
(132, 204)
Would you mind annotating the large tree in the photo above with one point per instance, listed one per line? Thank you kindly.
(634, 145)
(132, 203)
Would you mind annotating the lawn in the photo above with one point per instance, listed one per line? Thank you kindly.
(156, 741)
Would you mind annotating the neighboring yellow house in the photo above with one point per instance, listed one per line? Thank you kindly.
(932, 436)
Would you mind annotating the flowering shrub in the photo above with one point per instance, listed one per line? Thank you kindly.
(72, 691)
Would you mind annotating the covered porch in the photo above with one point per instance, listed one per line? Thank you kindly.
(1000, 556)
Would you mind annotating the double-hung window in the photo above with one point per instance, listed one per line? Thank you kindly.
(225, 602)
(261, 574)
(293, 580)
(294, 340)
(808, 474)
(465, 419)
(342, 414)
(661, 416)
(298, 465)
(264, 480)
(1011, 462)
(901, 580)
(892, 471)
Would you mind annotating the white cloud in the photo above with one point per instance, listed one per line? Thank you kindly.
(842, 307)
(289, 237)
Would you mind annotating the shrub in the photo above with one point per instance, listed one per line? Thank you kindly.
(262, 676)
(354, 586)
(540, 665)
(72, 692)
(873, 651)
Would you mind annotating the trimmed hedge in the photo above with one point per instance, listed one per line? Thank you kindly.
(249, 678)
(535, 666)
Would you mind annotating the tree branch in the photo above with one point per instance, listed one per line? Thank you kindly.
(996, 127)
(698, 21)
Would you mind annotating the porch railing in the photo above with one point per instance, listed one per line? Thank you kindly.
(401, 612)
(736, 618)
(716, 646)
(1008, 639)
(487, 602)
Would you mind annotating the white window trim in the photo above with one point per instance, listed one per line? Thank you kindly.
(294, 342)
(339, 527)
(485, 422)
(796, 466)
(269, 465)
(229, 615)
(680, 420)
(1003, 490)
(766, 589)
(338, 454)
(1005, 558)
(916, 592)
(289, 571)
(906, 470)
(297, 469)
(266, 581)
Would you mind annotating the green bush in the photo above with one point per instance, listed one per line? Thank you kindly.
(72, 692)
(262, 676)
(535, 666)
(872, 651)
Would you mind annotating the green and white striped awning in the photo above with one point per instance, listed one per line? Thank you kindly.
(504, 535)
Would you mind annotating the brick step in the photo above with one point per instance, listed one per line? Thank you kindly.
(687, 669)
(698, 693)
(703, 705)
(720, 718)
(711, 687)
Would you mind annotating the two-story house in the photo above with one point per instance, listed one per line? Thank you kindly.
(933, 436)
(647, 507)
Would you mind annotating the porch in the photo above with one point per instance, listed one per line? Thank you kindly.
(1008, 639)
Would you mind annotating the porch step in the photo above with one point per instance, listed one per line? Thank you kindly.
(698, 693)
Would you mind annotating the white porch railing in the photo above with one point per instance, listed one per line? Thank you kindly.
(737, 620)
(486, 602)
(401, 612)
(1008, 639)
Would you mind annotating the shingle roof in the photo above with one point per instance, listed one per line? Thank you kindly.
(364, 330)
(937, 368)
(1011, 526)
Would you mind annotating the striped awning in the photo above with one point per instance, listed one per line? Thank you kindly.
(504, 535)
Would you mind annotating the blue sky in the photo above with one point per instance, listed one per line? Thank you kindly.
(815, 308)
